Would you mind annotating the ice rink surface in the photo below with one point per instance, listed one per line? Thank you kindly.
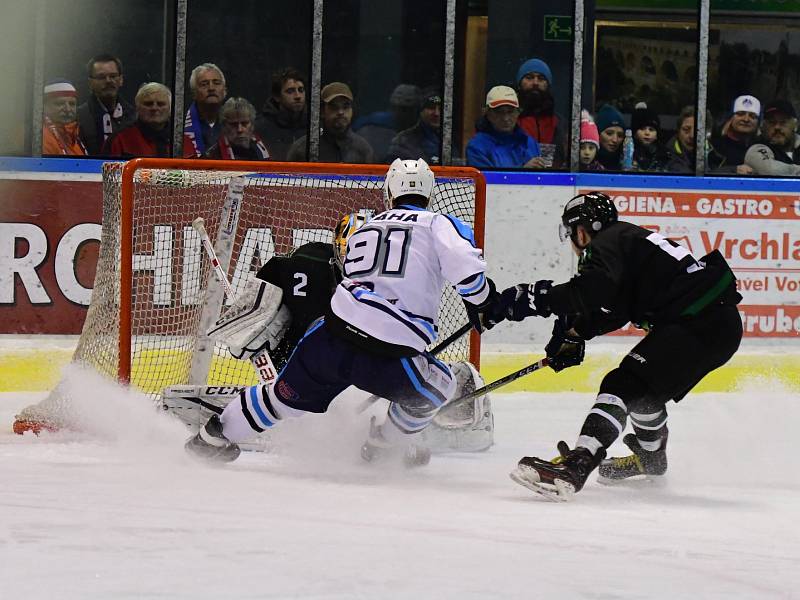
(123, 512)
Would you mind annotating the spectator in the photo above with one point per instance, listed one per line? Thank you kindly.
(106, 112)
(238, 140)
(681, 147)
(736, 136)
(778, 150)
(150, 134)
(423, 140)
(500, 141)
(284, 117)
(60, 129)
(337, 143)
(648, 153)
(200, 129)
(379, 128)
(590, 143)
(538, 117)
(611, 125)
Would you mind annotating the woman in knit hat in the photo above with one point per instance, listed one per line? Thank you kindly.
(611, 126)
(60, 130)
(648, 153)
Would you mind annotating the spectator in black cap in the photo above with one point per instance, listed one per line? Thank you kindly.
(424, 139)
(777, 152)
(648, 153)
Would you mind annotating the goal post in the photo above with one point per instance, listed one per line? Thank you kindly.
(152, 278)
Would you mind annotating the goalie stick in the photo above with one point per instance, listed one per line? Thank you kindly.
(262, 363)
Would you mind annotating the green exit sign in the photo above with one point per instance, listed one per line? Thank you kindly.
(557, 28)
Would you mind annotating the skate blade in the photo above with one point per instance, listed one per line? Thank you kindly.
(637, 481)
(560, 491)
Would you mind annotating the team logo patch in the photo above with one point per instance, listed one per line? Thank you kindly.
(286, 392)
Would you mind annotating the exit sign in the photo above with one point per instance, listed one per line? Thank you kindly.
(557, 28)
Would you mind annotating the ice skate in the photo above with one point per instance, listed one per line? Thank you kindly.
(642, 465)
(558, 479)
(210, 444)
(377, 449)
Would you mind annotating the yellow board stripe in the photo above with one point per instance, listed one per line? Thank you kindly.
(39, 370)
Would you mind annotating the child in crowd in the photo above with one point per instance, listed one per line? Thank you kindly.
(648, 154)
(590, 144)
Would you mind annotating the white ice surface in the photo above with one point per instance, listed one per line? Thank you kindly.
(124, 513)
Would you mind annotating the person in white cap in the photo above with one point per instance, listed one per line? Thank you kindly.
(499, 141)
(60, 130)
(737, 134)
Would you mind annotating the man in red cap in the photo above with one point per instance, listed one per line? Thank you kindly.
(60, 130)
(778, 150)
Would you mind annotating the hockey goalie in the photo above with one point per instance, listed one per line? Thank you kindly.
(274, 312)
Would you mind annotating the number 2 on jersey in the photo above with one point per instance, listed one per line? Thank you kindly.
(299, 287)
(369, 249)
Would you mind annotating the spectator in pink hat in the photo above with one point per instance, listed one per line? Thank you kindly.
(60, 129)
(590, 144)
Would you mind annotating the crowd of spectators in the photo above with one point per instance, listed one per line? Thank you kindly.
(519, 127)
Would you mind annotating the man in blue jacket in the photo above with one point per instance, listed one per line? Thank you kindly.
(499, 141)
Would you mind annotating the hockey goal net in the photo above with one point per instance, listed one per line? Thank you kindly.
(155, 293)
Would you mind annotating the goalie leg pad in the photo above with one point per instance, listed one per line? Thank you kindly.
(256, 319)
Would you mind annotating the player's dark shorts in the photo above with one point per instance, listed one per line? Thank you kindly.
(323, 365)
(674, 357)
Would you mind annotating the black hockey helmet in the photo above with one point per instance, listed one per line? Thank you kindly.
(594, 210)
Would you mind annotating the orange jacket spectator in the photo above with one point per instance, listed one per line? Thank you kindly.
(60, 130)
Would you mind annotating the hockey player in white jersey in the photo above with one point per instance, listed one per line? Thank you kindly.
(382, 317)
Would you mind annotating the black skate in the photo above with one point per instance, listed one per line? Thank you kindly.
(377, 449)
(210, 444)
(641, 465)
(558, 479)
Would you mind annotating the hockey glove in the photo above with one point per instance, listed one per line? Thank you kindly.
(564, 349)
(527, 300)
(489, 313)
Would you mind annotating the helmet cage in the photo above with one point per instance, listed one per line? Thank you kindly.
(347, 226)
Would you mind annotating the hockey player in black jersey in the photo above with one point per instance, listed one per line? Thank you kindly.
(627, 273)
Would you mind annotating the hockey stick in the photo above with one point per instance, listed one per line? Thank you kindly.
(262, 363)
(490, 387)
(440, 347)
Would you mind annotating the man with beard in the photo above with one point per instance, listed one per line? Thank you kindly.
(777, 153)
(737, 135)
(60, 129)
(200, 129)
(106, 112)
(150, 134)
(283, 118)
(538, 117)
(337, 143)
(423, 140)
(238, 140)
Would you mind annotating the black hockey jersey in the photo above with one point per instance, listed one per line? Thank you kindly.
(629, 273)
(308, 278)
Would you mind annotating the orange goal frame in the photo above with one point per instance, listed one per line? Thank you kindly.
(126, 220)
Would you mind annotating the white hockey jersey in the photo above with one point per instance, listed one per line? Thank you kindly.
(396, 268)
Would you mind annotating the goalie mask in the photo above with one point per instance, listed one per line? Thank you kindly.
(346, 227)
(595, 211)
(409, 178)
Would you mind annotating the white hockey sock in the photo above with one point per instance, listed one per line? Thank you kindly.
(588, 442)
(253, 412)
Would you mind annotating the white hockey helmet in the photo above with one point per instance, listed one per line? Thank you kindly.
(408, 178)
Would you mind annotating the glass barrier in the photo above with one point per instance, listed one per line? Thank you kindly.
(96, 56)
(262, 54)
(382, 81)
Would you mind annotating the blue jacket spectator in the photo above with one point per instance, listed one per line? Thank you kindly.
(499, 141)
